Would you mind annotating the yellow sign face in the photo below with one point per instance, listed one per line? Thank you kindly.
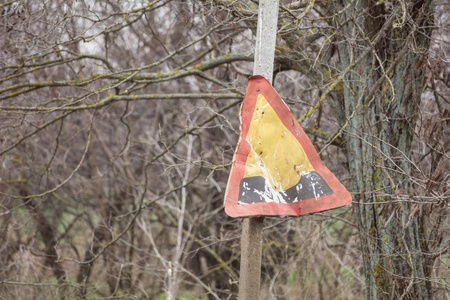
(275, 153)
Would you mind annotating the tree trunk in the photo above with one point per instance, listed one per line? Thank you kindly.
(49, 240)
(381, 99)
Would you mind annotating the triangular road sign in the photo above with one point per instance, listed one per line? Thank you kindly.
(276, 170)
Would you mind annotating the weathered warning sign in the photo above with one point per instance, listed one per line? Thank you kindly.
(276, 170)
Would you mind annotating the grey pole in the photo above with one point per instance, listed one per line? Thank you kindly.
(251, 240)
(266, 34)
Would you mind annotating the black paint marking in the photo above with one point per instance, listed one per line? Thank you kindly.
(311, 185)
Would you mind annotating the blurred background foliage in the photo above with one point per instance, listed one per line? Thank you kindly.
(119, 120)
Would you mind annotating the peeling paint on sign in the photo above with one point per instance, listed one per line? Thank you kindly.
(276, 170)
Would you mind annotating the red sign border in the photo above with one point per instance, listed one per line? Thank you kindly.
(340, 197)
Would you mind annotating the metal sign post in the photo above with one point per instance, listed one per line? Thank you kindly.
(266, 34)
(251, 241)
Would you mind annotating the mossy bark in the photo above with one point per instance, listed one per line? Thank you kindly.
(381, 99)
